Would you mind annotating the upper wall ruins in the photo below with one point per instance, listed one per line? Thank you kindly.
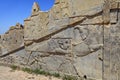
(12, 39)
(73, 37)
(66, 12)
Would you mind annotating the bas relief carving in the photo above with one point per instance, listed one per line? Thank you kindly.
(80, 46)
(60, 45)
(83, 37)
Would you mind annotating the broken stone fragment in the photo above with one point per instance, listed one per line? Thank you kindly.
(35, 8)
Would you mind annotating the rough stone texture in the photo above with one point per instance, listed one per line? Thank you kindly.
(76, 37)
(58, 16)
(35, 8)
(111, 50)
(17, 58)
(73, 38)
(12, 39)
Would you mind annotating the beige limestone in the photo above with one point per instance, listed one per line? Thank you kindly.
(75, 37)
(71, 33)
(12, 39)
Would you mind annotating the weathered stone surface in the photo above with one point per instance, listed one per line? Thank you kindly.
(61, 10)
(111, 52)
(12, 39)
(89, 65)
(19, 58)
(76, 37)
(35, 8)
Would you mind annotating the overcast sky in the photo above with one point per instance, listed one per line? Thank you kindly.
(13, 11)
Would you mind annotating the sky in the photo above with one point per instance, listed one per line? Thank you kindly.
(14, 11)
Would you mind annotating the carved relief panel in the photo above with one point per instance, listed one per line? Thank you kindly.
(60, 45)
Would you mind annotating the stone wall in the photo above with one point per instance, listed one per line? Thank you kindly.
(70, 37)
(12, 39)
(12, 50)
(76, 37)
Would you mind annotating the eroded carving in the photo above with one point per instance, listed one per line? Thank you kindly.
(60, 45)
(80, 34)
(68, 30)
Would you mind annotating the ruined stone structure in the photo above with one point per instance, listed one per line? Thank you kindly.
(12, 42)
(12, 39)
(76, 37)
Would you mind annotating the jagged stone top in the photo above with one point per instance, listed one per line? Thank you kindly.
(12, 39)
(17, 26)
(67, 12)
(35, 8)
